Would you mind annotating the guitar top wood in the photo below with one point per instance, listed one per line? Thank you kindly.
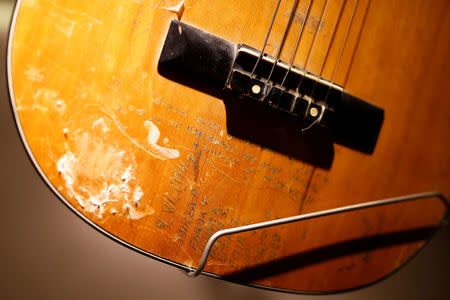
(160, 166)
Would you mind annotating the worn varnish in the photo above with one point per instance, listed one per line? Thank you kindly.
(153, 163)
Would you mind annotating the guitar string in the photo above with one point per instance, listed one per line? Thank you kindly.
(313, 45)
(295, 49)
(335, 67)
(283, 39)
(335, 70)
(310, 49)
(333, 35)
(341, 51)
(297, 43)
(266, 39)
(305, 194)
(357, 42)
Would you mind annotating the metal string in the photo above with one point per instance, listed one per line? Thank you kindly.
(357, 42)
(297, 43)
(345, 41)
(342, 48)
(337, 63)
(335, 26)
(292, 13)
(286, 30)
(314, 42)
(267, 38)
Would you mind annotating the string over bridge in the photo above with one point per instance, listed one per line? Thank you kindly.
(209, 63)
(292, 90)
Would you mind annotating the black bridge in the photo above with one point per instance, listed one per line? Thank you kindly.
(195, 57)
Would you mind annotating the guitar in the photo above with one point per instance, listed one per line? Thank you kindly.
(162, 122)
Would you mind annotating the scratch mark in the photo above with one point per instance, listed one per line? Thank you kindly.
(249, 184)
(133, 141)
(67, 19)
(75, 13)
(223, 173)
(196, 165)
(184, 148)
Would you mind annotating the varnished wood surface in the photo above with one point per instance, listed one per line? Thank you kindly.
(90, 101)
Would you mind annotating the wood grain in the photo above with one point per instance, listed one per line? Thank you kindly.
(152, 161)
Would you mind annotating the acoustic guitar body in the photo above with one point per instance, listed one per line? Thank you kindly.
(160, 164)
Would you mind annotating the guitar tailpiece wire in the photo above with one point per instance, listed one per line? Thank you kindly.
(191, 272)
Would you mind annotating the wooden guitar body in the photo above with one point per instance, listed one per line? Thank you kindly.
(160, 166)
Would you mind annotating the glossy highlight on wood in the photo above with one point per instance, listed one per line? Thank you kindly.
(162, 166)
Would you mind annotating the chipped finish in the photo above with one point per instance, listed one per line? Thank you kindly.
(153, 163)
(177, 9)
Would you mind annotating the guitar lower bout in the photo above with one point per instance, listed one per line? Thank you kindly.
(341, 104)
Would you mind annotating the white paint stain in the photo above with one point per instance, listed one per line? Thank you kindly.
(60, 105)
(137, 196)
(126, 176)
(62, 23)
(133, 213)
(45, 99)
(36, 106)
(65, 166)
(153, 137)
(34, 74)
(155, 150)
(100, 123)
(67, 28)
(102, 179)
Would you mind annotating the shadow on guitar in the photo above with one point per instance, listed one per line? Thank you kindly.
(330, 252)
(259, 124)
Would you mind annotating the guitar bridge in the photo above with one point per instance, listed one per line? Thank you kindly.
(283, 86)
(206, 62)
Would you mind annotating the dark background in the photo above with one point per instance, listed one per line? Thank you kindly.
(47, 252)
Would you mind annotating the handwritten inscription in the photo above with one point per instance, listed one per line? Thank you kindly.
(190, 214)
(225, 154)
